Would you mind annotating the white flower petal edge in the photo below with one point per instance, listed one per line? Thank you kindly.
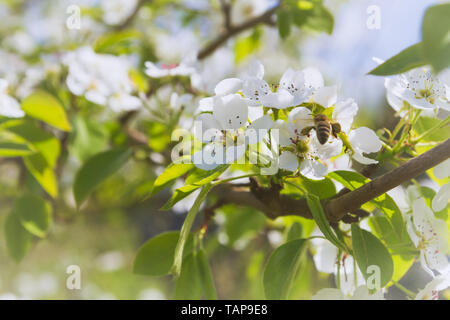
(9, 106)
(364, 140)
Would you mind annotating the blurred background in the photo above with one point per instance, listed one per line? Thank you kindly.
(104, 236)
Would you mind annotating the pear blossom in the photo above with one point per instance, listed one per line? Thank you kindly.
(160, 70)
(102, 78)
(429, 235)
(295, 87)
(243, 10)
(9, 106)
(117, 11)
(440, 200)
(419, 88)
(226, 132)
(326, 260)
(361, 293)
(431, 290)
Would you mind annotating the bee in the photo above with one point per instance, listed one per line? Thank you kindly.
(324, 127)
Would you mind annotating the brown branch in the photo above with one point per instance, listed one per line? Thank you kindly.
(234, 30)
(131, 17)
(273, 204)
(226, 10)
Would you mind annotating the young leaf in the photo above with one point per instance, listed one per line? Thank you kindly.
(284, 23)
(18, 240)
(43, 106)
(410, 58)
(319, 216)
(189, 283)
(155, 257)
(209, 288)
(96, 169)
(435, 36)
(172, 172)
(320, 19)
(186, 229)
(194, 181)
(42, 172)
(12, 145)
(370, 251)
(34, 214)
(88, 138)
(295, 231)
(282, 268)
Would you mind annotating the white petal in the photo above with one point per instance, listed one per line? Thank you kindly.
(313, 78)
(256, 69)
(313, 169)
(288, 161)
(442, 170)
(344, 112)
(10, 107)
(255, 90)
(325, 96)
(300, 118)
(411, 231)
(210, 157)
(363, 160)
(279, 100)
(365, 140)
(206, 104)
(440, 200)
(209, 128)
(228, 86)
(230, 111)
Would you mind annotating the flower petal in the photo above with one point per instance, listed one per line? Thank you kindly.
(228, 86)
(440, 200)
(288, 161)
(230, 111)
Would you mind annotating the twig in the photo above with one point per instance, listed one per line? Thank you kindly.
(274, 204)
(233, 30)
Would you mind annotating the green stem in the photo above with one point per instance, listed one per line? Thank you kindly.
(408, 292)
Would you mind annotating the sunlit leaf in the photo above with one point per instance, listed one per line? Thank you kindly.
(34, 214)
(155, 257)
(282, 268)
(370, 251)
(43, 106)
(96, 169)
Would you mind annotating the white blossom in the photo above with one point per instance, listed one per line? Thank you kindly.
(429, 235)
(117, 11)
(9, 106)
(419, 88)
(361, 293)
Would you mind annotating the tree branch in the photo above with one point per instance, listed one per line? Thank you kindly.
(233, 30)
(273, 204)
(131, 17)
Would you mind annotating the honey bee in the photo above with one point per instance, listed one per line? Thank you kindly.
(324, 127)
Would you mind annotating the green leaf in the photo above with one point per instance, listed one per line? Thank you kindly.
(18, 240)
(34, 214)
(322, 222)
(186, 229)
(385, 203)
(320, 19)
(295, 231)
(245, 46)
(209, 288)
(155, 257)
(43, 106)
(189, 284)
(424, 124)
(12, 145)
(42, 172)
(88, 138)
(242, 222)
(42, 163)
(116, 42)
(370, 251)
(282, 269)
(410, 58)
(436, 36)
(323, 188)
(96, 169)
(284, 23)
(44, 142)
(194, 181)
(172, 172)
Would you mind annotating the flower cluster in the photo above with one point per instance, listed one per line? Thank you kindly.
(102, 79)
(310, 124)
